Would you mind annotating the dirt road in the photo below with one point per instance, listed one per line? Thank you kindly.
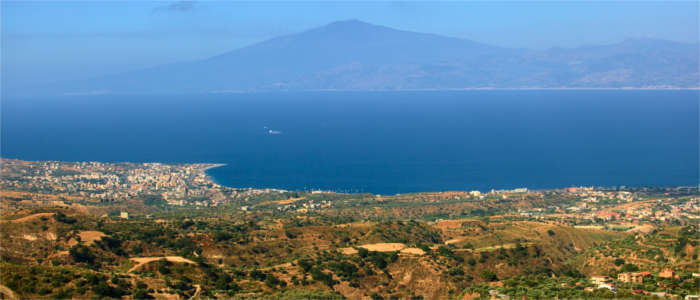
(140, 261)
(8, 292)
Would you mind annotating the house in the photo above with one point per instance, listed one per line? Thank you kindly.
(667, 273)
(692, 297)
(608, 216)
(609, 286)
(598, 280)
(630, 277)
(495, 295)
(124, 215)
(571, 190)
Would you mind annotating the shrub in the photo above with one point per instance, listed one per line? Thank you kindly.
(456, 272)
(376, 296)
(272, 281)
(220, 236)
(619, 262)
(318, 275)
(142, 294)
(344, 269)
(425, 248)
(61, 217)
(258, 275)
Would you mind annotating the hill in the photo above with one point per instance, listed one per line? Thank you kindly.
(353, 55)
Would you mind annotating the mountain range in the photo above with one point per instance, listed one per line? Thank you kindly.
(354, 55)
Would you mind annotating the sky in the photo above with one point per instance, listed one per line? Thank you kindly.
(46, 41)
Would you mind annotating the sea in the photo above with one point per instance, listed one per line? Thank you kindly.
(377, 142)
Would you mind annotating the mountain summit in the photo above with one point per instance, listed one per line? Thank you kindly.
(354, 55)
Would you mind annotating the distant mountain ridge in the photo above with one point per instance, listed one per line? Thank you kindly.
(353, 55)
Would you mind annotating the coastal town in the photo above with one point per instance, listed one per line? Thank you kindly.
(89, 182)
(189, 185)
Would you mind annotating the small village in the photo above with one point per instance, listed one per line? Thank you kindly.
(606, 282)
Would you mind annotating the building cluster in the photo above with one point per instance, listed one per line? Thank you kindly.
(595, 206)
(517, 190)
(305, 206)
(110, 182)
(633, 277)
(606, 282)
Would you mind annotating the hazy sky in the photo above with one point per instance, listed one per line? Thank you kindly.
(45, 41)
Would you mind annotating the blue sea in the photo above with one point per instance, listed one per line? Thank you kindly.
(377, 142)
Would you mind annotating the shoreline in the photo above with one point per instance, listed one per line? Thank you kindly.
(205, 167)
(507, 189)
(244, 92)
(212, 166)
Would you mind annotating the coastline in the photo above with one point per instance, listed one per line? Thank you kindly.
(204, 168)
(210, 177)
(212, 166)
(244, 92)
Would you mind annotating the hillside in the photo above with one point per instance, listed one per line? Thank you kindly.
(221, 242)
(65, 253)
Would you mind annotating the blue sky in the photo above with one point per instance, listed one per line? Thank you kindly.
(50, 40)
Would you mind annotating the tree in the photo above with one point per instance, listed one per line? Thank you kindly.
(619, 262)
(444, 251)
(257, 274)
(221, 284)
(629, 268)
(106, 290)
(362, 252)
(142, 294)
(154, 200)
(81, 253)
(163, 267)
(305, 265)
(376, 296)
(272, 281)
(488, 275)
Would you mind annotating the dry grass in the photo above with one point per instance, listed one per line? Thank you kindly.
(31, 217)
(384, 247)
(89, 237)
(413, 251)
